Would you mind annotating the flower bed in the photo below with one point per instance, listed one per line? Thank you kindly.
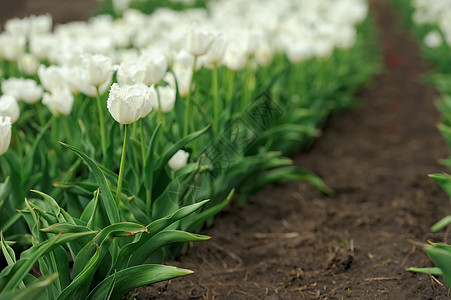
(198, 110)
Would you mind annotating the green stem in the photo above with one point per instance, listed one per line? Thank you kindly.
(160, 112)
(216, 96)
(121, 169)
(40, 114)
(231, 79)
(143, 143)
(102, 124)
(188, 101)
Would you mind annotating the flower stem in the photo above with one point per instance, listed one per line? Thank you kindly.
(102, 124)
(216, 96)
(188, 101)
(143, 143)
(121, 169)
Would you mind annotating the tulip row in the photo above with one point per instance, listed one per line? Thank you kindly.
(430, 21)
(197, 111)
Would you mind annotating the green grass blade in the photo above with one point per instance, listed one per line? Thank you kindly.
(442, 258)
(134, 277)
(441, 224)
(108, 199)
(434, 271)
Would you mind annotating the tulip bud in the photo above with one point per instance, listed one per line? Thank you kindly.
(167, 98)
(183, 76)
(5, 134)
(156, 66)
(59, 102)
(99, 68)
(128, 103)
(179, 160)
(216, 51)
(9, 107)
(52, 78)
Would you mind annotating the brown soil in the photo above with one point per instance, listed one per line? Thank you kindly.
(292, 242)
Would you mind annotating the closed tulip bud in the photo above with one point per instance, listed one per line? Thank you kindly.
(156, 66)
(216, 51)
(183, 76)
(129, 103)
(179, 160)
(28, 63)
(5, 134)
(167, 98)
(9, 107)
(199, 41)
(52, 78)
(59, 102)
(99, 68)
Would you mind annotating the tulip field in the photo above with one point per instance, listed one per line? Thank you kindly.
(255, 149)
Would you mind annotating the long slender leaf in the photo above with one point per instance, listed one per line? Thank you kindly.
(31, 292)
(134, 277)
(107, 196)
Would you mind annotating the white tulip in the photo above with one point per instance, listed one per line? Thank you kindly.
(31, 92)
(216, 51)
(199, 41)
(183, 76)
(59, 102)
(235, 57)
(99, 68)
(12, 86)
(178, 160)
(28, 63)
(5, 134)
(167, 98)
(52, 78)
(130, 73)
(156, 66)
(433, 39)
(41, 24)
(22, 89)
(11, 47)
(128, 103)
(121, 5)
(9, 107)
